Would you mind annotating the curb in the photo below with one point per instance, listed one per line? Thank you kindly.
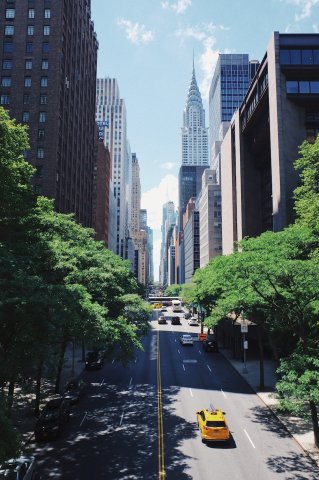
(308, 454)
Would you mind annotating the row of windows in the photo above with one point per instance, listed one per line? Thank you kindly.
(10, 13)
(302, 86)
(299, 57)
(8, 48)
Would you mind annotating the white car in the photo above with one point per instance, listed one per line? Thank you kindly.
(193, 322)
(23, 468)
(186, 339)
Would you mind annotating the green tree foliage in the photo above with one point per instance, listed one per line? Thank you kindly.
(307, 194)
(173, 290)
(299, 385)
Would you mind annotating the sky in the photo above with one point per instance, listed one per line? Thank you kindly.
(147, 45)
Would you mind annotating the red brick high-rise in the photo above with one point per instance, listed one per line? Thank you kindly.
(48, 57)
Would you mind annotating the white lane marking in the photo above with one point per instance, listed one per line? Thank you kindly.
(249, 439)
(174, 339)
(184, 367)
(131, 380)
(113, 360)
(190, 391)
(122, 418)
(209, 368)
(102, 383)
(223, 393)
(199, 352)
(83, 418)
(135, 360)
(178, 351)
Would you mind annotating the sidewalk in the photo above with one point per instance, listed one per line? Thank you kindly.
(23, 417)
(299, 429)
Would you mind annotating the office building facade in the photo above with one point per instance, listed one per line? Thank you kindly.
(48, 57)
(279, 112)
(111, 109)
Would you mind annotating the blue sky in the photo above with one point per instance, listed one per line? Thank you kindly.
(147, 45)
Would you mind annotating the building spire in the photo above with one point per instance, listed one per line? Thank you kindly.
(193, 62)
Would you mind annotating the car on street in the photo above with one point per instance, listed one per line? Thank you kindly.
(187, 315)
(210, 344)
(193, 322)
(94, 360)
(52, 419)
(162, 320)
(212, 425)
(22, 468)
(74, 390)
(164, 309)
(176, 321)
(186, 339)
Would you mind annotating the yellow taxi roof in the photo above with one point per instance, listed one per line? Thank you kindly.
(214, 414)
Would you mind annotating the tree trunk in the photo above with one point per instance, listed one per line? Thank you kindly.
(261, 359)
(314, 418)
(38, 389)
(10, 397)
(274, 349)
(60, 366)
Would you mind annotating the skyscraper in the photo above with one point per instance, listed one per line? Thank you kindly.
(48, 56)
(168, 219)
(194, 131)
(231, 79)
(111, 108)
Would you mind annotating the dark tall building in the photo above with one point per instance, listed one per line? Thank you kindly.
(279, 111)
(48, 56)
(101, 192)
(190, 185)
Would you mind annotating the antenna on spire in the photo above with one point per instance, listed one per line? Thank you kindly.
(193, 61)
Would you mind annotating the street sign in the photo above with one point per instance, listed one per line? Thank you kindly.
(246, 345)
(244, 327)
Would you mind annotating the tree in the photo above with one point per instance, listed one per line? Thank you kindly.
(299, 385)
(173, 290)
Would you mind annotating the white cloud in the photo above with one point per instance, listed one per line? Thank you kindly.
(168, 165)
(153, 200)
(179, 7)
(135, 32)
(305, 8)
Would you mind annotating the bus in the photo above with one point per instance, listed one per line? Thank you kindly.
(177, 306)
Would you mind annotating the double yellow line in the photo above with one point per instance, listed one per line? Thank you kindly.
(161, 470)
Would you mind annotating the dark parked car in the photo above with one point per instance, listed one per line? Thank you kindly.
(162, 320)
(187, 315)
(74, 390)
(176, 321)
(54, 416)
(210, 344)
(94, 360)
(22, 468)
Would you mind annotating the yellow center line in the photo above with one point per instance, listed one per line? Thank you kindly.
(161, 469)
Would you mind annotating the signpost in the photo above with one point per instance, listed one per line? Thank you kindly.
(244, 330)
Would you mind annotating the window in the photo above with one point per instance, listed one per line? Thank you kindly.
(26, 99)
(45, 65)
(42, 117)
(31, 13)
(45, 47)
(47, 13)
(29, 47)
(46, 30)
(41, 134)
(27, 81)
(43, 99)
(6, 81)
(4, 100)
(25, 117)
(10, 13)
(307, 58)
(7, 64)
(314, 87)
(304, 87)
(8, 47)
(28, 64)
(40, 153)
(44, 81)
(30, 30)
(9, 30)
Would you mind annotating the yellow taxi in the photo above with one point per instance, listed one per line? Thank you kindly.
(212, 425)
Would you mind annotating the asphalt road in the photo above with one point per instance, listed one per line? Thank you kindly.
(117, 431)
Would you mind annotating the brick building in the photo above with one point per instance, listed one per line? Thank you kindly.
(101, 192)
(48, 56)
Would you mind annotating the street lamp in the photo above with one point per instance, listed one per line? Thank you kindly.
(244, 330)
